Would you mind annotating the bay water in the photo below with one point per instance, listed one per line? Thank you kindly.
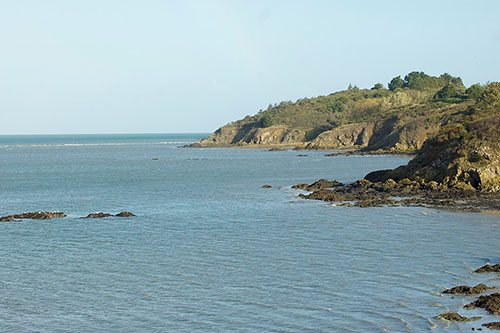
(210, 250)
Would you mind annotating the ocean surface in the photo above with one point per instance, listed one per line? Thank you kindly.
(212, 251)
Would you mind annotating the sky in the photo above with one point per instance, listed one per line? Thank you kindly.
(157, 66)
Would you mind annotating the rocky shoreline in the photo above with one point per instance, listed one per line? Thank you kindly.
(418, 192)
(489, 302)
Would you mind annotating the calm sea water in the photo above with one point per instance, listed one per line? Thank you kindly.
(210, 250)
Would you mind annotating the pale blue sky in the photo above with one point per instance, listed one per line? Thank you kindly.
(156, 66)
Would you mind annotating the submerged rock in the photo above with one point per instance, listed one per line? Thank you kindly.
(495, 325)
(125, 214)
(488, 269)
(277, 149)
(490, 303)
(33, 215)
(453, 316)
(466, 290)
(266, 186)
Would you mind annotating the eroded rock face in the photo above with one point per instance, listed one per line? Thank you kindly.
(33, 215)
(490, 303)
(466, 290)
(453, 316)
(456, 158)
(253, 133)
(488, 269)
(352, 135)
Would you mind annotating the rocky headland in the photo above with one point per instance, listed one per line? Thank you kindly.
(459, 167)
(394, 120)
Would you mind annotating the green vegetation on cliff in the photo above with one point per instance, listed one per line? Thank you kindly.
(397, 119)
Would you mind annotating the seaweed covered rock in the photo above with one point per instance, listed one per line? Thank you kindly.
(125, 214)
(495, 325)
(488, 269)
(453, 316)
(318, 185)
(490, 303)
(99, 215)
(33, 215)
(467, 290)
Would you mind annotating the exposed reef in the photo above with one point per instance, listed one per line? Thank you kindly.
(32, 215)
(467, 290)
(489, 269)
(103, 215)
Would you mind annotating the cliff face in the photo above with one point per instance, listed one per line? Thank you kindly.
(247, 134)
(464, 155)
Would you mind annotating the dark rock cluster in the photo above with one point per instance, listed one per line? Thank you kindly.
(32, 215)
(490, 303)
(50, 215)
(102, 215)
(405, 192)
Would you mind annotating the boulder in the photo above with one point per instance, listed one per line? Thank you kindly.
(266, 186)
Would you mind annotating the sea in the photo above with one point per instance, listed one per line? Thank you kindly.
(210, 250)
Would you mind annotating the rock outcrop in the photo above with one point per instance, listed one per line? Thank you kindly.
(493, 325)
(32, 215)
(467, 290)
(318, 185)
(488, 269)
(453, 316)
(346, 136)
(103, 215)
(491, 303)
(253, 134)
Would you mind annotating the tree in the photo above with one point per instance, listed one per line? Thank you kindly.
(378, 86)
(474, 91)
(490, 97)
(449, 91)
(395, 83)
(267, 120)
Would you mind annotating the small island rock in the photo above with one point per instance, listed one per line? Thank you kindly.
(125, 214)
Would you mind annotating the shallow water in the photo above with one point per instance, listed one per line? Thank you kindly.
(210, 250)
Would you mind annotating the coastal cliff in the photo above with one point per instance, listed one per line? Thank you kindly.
(465, 154)
(458, 168)
(398, 119)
